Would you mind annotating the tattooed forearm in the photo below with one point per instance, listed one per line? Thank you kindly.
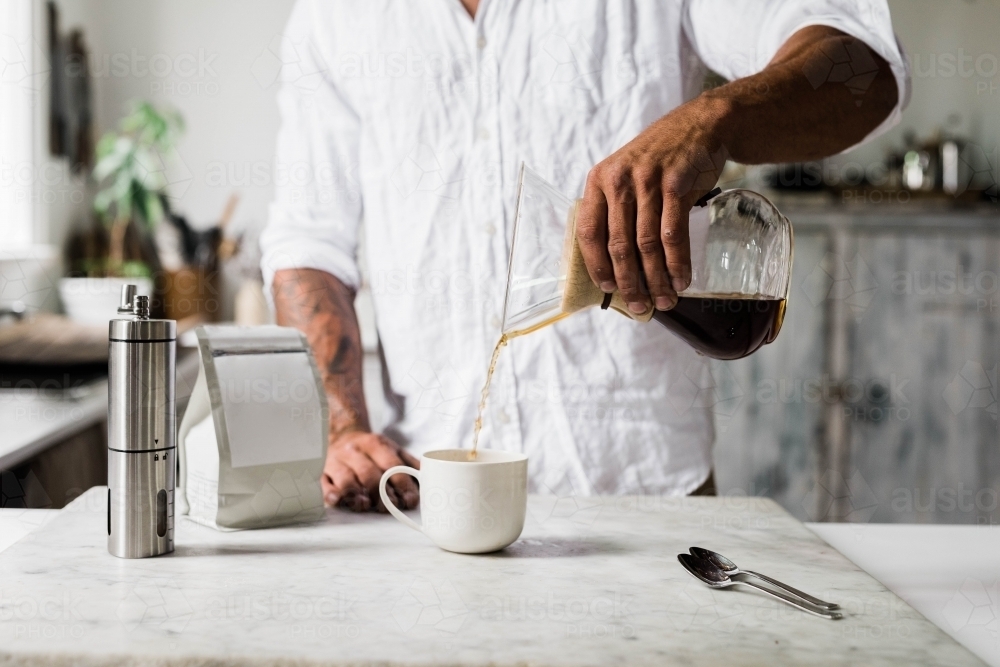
(322, 307)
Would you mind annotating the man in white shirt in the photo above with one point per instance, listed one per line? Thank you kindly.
(415, 117)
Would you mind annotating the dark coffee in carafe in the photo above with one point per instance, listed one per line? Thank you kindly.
(724, 326)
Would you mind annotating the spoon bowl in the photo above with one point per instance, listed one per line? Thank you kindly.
(705, 571)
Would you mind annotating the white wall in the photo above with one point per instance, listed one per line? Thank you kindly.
(210, 60)
(937, 35)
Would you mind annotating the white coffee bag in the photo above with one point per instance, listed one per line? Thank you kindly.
(252, 442)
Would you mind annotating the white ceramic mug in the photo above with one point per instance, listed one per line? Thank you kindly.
(467, 506)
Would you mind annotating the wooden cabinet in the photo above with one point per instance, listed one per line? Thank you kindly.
(878, 401)
(56, 476)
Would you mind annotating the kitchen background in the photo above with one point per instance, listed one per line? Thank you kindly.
(877, 403)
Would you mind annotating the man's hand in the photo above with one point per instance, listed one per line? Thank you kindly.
(322, 308)
(355, 462)
(633, 223)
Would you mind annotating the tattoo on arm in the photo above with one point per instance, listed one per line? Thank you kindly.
(322, 307)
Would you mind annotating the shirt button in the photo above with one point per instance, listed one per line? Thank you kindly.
(504, 417)
(495, 322)
(483, 133)
(490, 229)
(481, 42)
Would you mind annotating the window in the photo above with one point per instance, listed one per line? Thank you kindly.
(20, 96)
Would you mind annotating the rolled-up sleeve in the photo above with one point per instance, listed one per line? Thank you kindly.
(315, 217)
(736, 38)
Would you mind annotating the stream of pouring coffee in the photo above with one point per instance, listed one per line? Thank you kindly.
(504, 339)
(719, 326)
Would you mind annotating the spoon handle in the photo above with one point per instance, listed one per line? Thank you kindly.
(794, 591)
(824, 613)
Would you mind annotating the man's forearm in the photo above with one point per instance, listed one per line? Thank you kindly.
(823, 92)
(322, 307)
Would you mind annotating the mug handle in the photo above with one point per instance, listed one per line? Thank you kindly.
(393, 510)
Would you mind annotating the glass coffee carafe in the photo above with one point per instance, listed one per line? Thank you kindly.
(741, 262)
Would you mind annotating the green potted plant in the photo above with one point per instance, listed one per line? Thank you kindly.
(131, 178)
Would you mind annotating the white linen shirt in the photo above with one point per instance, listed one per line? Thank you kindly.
(413, 118)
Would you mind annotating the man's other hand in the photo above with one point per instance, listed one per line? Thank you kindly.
(355, 462)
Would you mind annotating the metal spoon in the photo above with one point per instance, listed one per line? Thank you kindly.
(708, 573)
(730, 568)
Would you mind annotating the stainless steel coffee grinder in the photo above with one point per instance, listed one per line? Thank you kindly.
(142, 452)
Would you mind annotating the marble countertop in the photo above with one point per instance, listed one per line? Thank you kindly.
(592, 581)
(15, 523)
(33, 420)
(948, 573)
